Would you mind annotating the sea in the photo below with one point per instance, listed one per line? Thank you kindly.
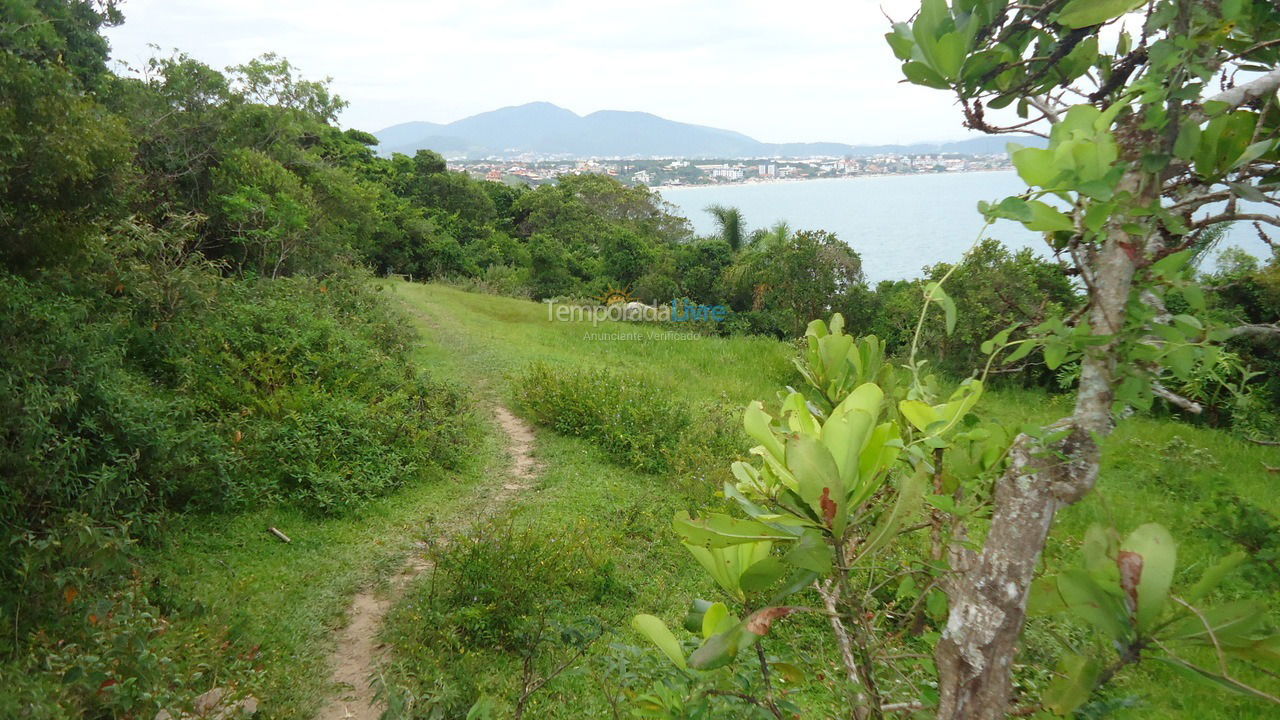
(898, 223)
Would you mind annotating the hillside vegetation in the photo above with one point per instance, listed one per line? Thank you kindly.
(251, 367)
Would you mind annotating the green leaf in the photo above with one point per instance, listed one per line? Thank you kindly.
(1088, 601)
(933, 292)
(762, 574)
(811, 552)
(1045, 218)
(1214, 575)
(1231, 625)
(788, 672)
(919, 414)
(716, 620)
(716, 530)
(658, 634)
(821, 486)
(1036, 166)
(1159, 554)
(920, 74)
(1213, 678)
(1055, 353)
(910, 497)
(949, 55)
(1188, 141)
(1075, 679)
(1088, 13)
(757, 424)
(900, 41)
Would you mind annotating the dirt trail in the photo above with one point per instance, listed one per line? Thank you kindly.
(356, 657)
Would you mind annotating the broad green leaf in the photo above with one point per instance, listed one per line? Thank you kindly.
(1045, 218)
(757, 424)
(1099, 549)
(933, 292)
(920, 74)
(658, 634)
(919, 414)
(1036, 166)
(1230, 625)
(882, 450)
(1055, 353)
(716, 620)
(1159, 554)
(819, 479)
(762, 574)
(811, 552)
(1072, 685)
(1188, 141)
(910, 498)
(697, 612)
(717, 530)
(788, 672)
(949, 55)
(1044, 597)
(726, 565)
(1214, 575)
(900, 41)
(1087, 600)
(1213, 678)
(718, 650)
(845, 434)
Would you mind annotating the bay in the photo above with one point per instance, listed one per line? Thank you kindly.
(898, 223)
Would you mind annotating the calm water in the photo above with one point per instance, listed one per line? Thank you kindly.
(898, 224)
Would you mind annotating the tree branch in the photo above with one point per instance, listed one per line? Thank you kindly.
(1190, 406)
(1258, 329)
(1253, 90)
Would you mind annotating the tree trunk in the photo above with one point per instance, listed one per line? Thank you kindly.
(989, 593)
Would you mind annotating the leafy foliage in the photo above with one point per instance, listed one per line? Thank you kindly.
(639, 425)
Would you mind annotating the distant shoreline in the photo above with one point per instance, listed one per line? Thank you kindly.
(781, 181)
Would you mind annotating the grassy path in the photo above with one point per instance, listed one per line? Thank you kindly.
(358, 655)
(257, 616)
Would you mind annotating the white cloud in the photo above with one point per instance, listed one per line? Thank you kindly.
(803, 70)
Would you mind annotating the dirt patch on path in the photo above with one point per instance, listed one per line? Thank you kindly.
(520, 446)
(356, 658)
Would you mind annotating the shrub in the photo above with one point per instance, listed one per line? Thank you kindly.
(118, 405)
(992, 287)
(498, 591)
(638, 425)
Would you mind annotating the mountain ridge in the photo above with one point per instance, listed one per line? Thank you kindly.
(544, 128)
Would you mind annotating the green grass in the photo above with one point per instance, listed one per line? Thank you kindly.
(249, 611)
(1154, 470)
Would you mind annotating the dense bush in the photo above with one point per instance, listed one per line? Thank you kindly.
(640, 425)
(992, 287)
(292, 391)
(1243, 292)
(497, 594)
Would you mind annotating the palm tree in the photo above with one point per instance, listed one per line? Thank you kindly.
(729, 224)
(774, 237)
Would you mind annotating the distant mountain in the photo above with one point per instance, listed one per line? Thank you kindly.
(547, 129)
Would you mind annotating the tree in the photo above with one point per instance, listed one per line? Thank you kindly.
(799, 279)
(1159, 124)
(62, 157)
(730, 227)
(774, 236)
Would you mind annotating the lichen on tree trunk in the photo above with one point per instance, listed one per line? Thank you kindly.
(989, 595)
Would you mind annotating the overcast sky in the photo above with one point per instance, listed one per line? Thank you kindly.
(797, 70)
